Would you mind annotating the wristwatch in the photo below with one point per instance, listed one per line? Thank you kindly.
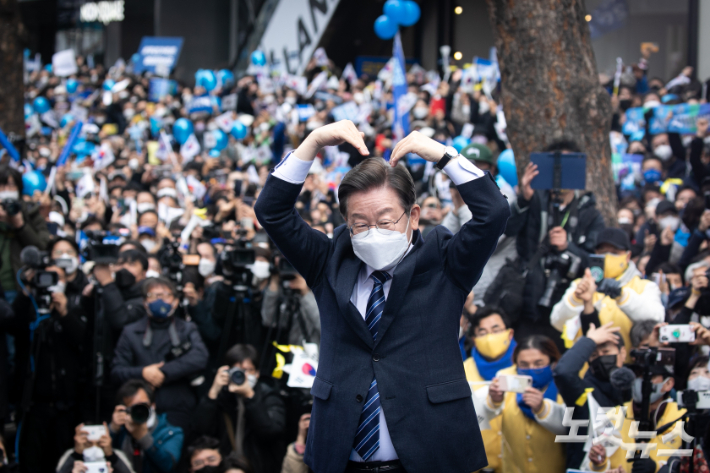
(449, 154)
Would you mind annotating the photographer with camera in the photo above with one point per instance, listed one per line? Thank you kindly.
(663, 415)
(48, 340)
(556, 231)
(92, 451)
(164, 350)
(246, 415)
(621, 297)
(21, 225)
(604, 350)
(149, 441)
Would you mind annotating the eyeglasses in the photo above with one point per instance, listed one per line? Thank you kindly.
(364, 229)
(166, 296)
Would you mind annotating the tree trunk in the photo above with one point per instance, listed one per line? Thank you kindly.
(12, 88)
(550, 86)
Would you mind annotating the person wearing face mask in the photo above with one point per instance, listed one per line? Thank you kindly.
(530, 420)
(65, 254)
(670, 228)
(669, 148)
(629, 299)
(663, 411)
(53, 359)
(164, 350)
(24, 227)
(91, 451)
(369, 279)
(603, 349)
(150, 441)
(493, 347)
(146, 235)
(204, 456)
(247, 418)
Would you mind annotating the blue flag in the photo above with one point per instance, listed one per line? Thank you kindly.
(12, 151)
(69, 144)
(400, 126)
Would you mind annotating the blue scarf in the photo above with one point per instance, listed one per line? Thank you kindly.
(488, 369)
(541, 377)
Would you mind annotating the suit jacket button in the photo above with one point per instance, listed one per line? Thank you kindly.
(358, 398)
(375, 357)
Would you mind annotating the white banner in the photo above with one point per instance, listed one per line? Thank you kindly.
(64, 63)
(294, 32)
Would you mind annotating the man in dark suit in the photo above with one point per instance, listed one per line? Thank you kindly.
(390, 392)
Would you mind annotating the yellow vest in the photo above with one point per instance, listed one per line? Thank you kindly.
(671, 413)
(491, 437)
(609, 312)
(528, 447)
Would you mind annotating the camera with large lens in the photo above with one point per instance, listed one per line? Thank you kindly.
(650, 362)
(102, 247)
(171, 261)
(139, 413)
(560, 269)
(42, 279)
(11, 206)
(237, 376)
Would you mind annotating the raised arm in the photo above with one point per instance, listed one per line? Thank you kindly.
(306, 249)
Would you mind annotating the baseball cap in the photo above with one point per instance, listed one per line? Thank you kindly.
(478, 152)
(665, 206)
(615, 237)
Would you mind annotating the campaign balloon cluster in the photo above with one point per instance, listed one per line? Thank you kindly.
(396, 13)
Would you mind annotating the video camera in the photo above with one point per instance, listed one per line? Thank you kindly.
(649, 362)
(42, 280)
(560, 268)
(11, 206)
(103, 247)
(171, 260)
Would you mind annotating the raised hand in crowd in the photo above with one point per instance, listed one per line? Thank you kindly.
(529, 174)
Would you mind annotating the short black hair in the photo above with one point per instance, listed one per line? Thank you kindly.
(7, 172)
(488, 311)
(131, 387)
(131, 256)
(92, 220)
(641, 330)
(669, 268)
(136, 244)
(240, 352)
(562, 145)
(140, 215)
(202, 443)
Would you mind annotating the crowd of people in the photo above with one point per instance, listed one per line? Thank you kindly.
(146, 316)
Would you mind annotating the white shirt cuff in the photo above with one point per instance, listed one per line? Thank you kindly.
(293, 170)
(461, 171)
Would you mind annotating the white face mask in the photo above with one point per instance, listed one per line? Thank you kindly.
(93, 454)
(358, 97)
(290, 99)
(483, 107)
(652, 104)
(669, 222)
(133, 163)
(381, 249)
(152, 418)
(465, 109)
(664, 152)
(151, 273)
(68, 263)
(701, 383)
(129, 113)
(9, 195)
(144, 207)
(206, 267)
(420, 112)
(251, 379)
(260, 269)
(59, 287)
(149, 245)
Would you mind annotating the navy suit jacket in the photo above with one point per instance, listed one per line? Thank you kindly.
(416, 358)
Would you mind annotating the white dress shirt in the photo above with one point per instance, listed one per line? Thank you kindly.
(294, 170)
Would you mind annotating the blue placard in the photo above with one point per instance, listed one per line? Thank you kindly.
(159, 88)
(572, 170)
(202, 103)
(157, 52)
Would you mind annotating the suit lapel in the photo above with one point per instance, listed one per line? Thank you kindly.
(343, 278)
(400, 283)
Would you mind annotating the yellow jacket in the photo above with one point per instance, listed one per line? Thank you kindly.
(618, 459)
(640, 299)
(529, 446)
(491, 437)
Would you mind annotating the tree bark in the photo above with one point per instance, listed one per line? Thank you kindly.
(550, 86)
(12, 88)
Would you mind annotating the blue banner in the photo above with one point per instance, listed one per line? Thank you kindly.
(678, 118)
(400, 126)
(157, 52)
(69, 144)
(202, 103)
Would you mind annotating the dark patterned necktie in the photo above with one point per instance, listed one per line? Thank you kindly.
(367, 438)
